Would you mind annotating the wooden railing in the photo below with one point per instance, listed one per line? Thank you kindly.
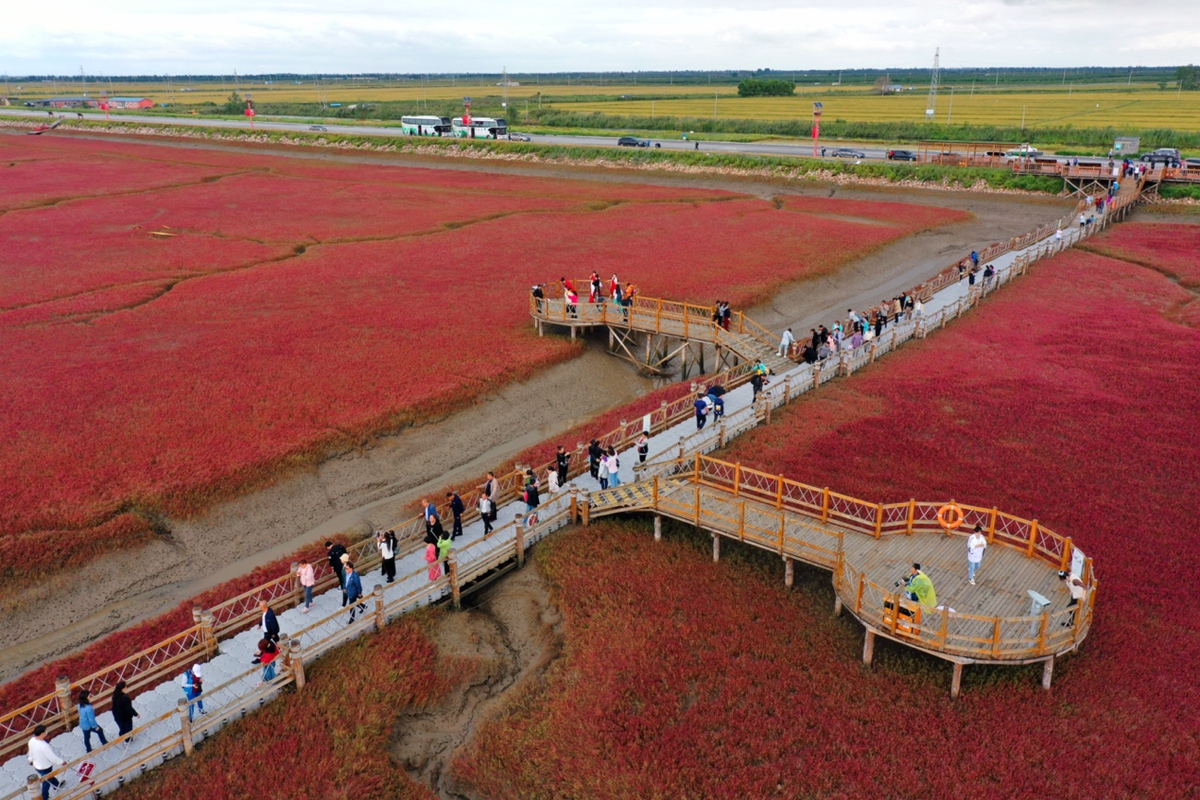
(780, 500)
(229, 701)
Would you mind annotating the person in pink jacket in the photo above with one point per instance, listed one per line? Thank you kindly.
(308, 580)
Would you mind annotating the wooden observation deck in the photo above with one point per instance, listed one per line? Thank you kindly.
(870, 546)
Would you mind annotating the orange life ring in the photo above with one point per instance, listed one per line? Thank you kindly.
(944, 516)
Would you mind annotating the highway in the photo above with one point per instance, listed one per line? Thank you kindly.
(267, 124)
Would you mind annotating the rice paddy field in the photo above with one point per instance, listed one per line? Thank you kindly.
(1133, 108)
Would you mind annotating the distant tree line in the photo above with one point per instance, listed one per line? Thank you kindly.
(1189, 77)
(768, 87)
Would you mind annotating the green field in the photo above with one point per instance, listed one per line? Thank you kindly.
(1134, 108)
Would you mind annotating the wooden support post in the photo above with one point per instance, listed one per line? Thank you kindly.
(956, 681)
(66, 708)
(697, 505)
(574, 503)
(33, 787)
(787, 389)
(912, 515)
(825, 504)
(1033, 531)
(816, 377)
(873, 349)
(658, 527)
(520, 544)
(681, 440)
(296, 656)
(737, 479)
(723, 436)
(572, 333)
(766, 401)
(996, 637)
(862, 580)
(208, 631)
(455, 591)
(992, 524)
(380, 616)
(1047, 672)
(742, 522)
(879, 520)
(586, 508)
(185, 727)
(789, 572)
(869, 647)
(837, 605)
(1068, 549)
(779, 479)
(716, 547)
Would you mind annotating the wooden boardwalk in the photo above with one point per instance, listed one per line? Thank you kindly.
(870, 546)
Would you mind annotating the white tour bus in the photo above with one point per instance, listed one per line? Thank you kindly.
(480, 128)
(425, 126)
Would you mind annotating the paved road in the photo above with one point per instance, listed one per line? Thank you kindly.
(268, 124)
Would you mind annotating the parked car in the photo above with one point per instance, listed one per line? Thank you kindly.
(901, 155)
(632, 141)
(1167, 156)
(317, 128)
(848, 152)
(1192, 163)
(519, 137)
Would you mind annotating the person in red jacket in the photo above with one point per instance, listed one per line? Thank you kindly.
(268, 651)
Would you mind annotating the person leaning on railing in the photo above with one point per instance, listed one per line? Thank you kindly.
(1078, 593)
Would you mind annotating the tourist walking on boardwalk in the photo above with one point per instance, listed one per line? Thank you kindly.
(594, 456)
(643, 447)
(123, 711)
(43, 759)
(530, 495)
(988, 272)
(431, 557)
(87, 721)
(971, 278)
(815, 338)
(785, 343)
(614, 287)
(456, 510)
(268, 651)
(268, 623)
(701, 412)
(613, 464)
(757, 381)
(387, 544)
(974, 259)
(354, 591)
(552, 484)
(726, 313)
(897, 310)
(976, 544)
(856, 341)
(918, 308)
(308, 579)
(878, 325)
(562, 460)
(602, 470)
(335, 553)
(485, 513)
(193, 687)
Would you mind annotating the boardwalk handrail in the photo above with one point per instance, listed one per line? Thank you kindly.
(55, 709)
(966, 636)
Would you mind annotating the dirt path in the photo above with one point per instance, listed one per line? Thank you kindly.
(363, 488)
(514, 632)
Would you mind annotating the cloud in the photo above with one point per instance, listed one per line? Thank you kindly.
(423, 36)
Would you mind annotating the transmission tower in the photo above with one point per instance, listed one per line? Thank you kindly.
(931, 103)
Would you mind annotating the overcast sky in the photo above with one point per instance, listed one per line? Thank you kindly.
(115, 37)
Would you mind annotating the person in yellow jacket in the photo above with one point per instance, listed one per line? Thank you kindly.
(920, 588)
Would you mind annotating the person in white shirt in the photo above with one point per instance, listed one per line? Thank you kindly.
(43, 759)
(785, 342)
(976, 544)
